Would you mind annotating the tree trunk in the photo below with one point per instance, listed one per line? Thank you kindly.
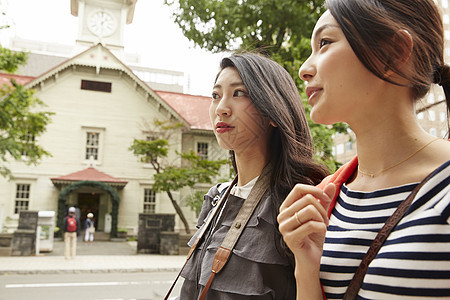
(180, 213)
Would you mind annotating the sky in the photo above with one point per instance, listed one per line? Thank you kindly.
(153, 35)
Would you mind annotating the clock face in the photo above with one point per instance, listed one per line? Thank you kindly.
(101, 23)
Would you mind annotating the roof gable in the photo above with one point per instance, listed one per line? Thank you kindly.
(89, 174)
(100, 57)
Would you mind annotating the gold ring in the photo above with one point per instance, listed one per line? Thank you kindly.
(296, 217)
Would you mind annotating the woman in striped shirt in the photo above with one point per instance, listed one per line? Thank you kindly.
(371, 60)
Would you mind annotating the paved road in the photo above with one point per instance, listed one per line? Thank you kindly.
(111, 286)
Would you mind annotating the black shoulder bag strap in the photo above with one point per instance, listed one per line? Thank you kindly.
(392, 221)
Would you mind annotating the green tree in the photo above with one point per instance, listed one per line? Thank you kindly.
(170, 177)
(20, 121)
(280, 28)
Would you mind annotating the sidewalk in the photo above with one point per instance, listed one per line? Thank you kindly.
(96, 258)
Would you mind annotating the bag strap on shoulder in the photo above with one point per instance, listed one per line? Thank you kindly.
(216, 208)
(238, 225)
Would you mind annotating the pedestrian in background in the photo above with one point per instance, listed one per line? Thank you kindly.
(89, 229)
(71, 229)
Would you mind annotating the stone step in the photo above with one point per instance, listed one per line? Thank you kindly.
(5, 251)
(98, 236)
(102, 236)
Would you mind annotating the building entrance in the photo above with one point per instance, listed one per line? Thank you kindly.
(88, 203)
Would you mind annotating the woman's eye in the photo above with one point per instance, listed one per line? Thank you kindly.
(214, 96)
(239, 93)
(324, 42)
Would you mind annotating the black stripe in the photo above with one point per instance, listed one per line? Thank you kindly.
(337, 269)
(349, 241)
(340, 254)
(409, 273)
(380, 193)
(426, 256)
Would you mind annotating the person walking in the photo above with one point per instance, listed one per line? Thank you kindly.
(71, 229)
(379, 228)
(89, 229)
(257, 114)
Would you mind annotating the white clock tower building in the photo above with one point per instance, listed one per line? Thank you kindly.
(102, 21)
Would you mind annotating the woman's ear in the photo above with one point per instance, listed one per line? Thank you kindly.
(403, 48)
(404, 45)
(404, 39)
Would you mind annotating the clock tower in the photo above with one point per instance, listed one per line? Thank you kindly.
(102, 21)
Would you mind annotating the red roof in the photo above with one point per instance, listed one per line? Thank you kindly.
(20, 79)
(193, 109)
(89, 174)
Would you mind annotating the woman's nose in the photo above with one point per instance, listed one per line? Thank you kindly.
(307, 70)
(223, 108)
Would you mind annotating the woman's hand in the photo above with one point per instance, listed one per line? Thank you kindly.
(303, 223)
(303, 219)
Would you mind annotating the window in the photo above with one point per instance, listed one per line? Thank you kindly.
(149, 201)
(92, 145)
(28, 140)
(151, 138)
(22, 198)
(348, 146)
(442, 116)
(420, 116)
(340, 149)
(97, 86)
(431, 115)
(202, 150)
(430, 98)
(433, 131)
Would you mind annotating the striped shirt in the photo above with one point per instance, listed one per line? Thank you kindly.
(414, 261)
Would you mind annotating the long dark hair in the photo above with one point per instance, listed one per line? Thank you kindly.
(274, 93)
(372, 29)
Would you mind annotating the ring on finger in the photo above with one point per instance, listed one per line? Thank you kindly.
(298, 221)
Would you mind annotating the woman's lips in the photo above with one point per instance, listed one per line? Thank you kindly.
(222, 127)
(311, 92)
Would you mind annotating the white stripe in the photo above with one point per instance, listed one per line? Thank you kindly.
(424, 265)
(416, 247)
(407, 282)
(362, 234)
(72, 284)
